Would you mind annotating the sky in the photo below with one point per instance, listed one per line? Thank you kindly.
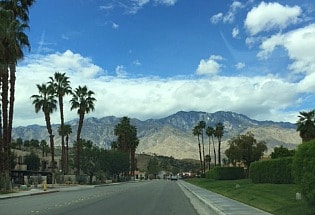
(148, 59)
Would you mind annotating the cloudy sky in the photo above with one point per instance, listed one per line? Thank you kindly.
(152, 58)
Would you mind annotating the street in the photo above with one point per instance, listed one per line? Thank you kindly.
(151, 197)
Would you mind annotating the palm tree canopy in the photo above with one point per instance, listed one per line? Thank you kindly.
(82, 100)
(20, 8)
(196, 130)
(306, 125)
(44, 101)
(12, 37)
(218, 132)
(210, 131)
(61, 84)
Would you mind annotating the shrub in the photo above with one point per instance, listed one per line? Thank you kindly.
(275, 171)
(304, 169)
(226, 173)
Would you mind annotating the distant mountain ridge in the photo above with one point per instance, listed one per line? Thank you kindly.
(172, 135)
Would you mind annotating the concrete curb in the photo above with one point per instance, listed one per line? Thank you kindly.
(211, 206)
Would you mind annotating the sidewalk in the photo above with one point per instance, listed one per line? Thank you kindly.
(220, 204)
(39, 191)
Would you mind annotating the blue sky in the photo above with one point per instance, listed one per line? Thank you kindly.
(152, 58)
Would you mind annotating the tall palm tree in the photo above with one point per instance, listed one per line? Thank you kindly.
(83, 100)
(306, 125)
(209, 133)
(127, 140)
(218, 133)
(197, 132)
(46, 102)
(202, 125)
(13, 22)
(61, 85)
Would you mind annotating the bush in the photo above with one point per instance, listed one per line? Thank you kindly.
(275, 171)
(304, 169)
(226, 173)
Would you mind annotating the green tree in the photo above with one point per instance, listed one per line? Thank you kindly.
(127, 140)
(46, 102)
(197, 132)
(306, 125)
(32, 161)
(245, 148)
(218, 133)
(34, 144)
(61, 85)
(115, 162)
(90, 158)
(153, 166)
(84, 102)
(281, 152)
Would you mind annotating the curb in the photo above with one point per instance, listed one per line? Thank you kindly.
(212, 207)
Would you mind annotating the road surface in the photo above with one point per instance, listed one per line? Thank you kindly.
(152, 197)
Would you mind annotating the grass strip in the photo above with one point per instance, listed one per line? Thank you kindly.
(278, 199)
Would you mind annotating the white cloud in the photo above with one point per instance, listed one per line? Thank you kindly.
(115, 25)
(300, 45)
(240, 65)
(145, 98)
(216, 18)
(229, 16)
(121, 71)
(210, 66)
(166, 2)
(235, 32)
(270, 16)
(137, 63)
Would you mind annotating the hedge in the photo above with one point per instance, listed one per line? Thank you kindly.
(226, 173)
(304, 169)
(275, 171)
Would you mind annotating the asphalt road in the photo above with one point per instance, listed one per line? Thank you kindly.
(152, 197)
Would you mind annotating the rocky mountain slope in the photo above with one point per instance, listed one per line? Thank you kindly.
(172, 135)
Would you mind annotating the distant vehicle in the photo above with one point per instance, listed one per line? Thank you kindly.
(174, 178)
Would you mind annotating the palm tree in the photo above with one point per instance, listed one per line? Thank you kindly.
(218, 133)
(127, 140)
(43, 145)
(13, 22)
(83, 100)
(61, 85)
(209, 133)
(46, 102)
(306, 125)
(197, 132)
(65, 131)
(202, 125)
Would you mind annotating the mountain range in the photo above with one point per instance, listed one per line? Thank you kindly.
(172, 135)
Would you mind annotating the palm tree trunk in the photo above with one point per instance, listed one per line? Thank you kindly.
(219, 151)
(203, 154)
(63, 154)
(200, 153)
(214, 152)
(81, 118)
(67, 153)
(52, 145)
(12, 98)
(5, 143)
(209, 154)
